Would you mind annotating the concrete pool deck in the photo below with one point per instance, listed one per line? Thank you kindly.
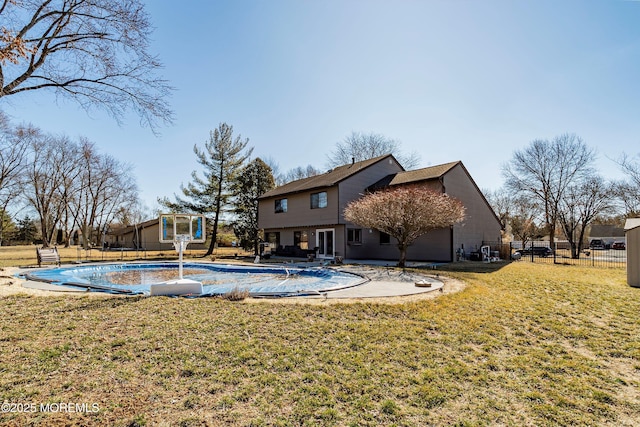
(384, 282)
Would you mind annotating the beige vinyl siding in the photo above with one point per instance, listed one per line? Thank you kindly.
(433, 246)
(480, 224)
(149, 239)
(370, 248)
(299, 212)
(353, 187)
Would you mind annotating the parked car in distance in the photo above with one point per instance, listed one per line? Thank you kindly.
(598, 244)
(542, 251)
(619, 245)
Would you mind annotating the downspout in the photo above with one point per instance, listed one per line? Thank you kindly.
(344, 228)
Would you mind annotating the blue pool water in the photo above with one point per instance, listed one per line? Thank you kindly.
(217, 279)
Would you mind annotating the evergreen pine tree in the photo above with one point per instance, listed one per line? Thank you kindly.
(222, 158)
(255, 179)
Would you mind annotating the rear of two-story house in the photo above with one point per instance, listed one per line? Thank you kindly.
(307, 215)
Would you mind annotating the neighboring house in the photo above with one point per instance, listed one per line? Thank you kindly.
(307, 214)
(143, 236)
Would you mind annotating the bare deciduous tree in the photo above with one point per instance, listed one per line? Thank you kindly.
(631, 166)
(525, 229)
(405, 213)
(95, 52)
(362, 146)
(519, 215)
(298, 173)
(46, 174)
(106, 185)
(545, 170)
(628, 191)
(13, 144)
(72, 185)
(627, 196)
(501, 202)
(581, 204)
(281, 178)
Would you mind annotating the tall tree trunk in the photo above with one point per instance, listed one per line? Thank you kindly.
(46, 240)
(214, 234)
(85, 236)
(214, 237)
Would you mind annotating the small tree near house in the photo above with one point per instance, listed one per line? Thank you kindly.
(405, 213)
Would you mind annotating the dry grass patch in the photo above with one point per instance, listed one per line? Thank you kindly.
(521, 345)
(236, 294)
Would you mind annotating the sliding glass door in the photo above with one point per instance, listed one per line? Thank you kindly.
(325, 242)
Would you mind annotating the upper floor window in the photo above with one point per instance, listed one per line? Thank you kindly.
(319, 200)
(281, 205)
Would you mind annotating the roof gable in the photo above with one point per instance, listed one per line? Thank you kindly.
(428, 174)
(606, 230)
(424, 174)
(410, 177)
(327, 179)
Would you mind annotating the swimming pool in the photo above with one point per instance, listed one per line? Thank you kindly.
(216, 279)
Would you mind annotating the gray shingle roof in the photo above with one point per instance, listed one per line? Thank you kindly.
(327, 179)
(431, 172)
(406, 177)
(605, 230)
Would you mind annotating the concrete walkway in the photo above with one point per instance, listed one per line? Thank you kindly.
(386, 288)
(384, 279)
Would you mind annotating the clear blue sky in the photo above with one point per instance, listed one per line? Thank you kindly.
(453, 80)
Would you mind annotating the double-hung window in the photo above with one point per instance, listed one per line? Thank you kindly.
(354, 235)
(281, 205)
(319, 200)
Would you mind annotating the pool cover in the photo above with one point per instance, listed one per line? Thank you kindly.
(217, 279)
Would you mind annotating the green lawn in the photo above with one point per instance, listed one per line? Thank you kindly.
(526, 344)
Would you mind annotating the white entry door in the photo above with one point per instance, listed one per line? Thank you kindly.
(325, 242)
